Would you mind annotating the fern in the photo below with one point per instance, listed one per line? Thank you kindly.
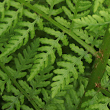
(54, 55)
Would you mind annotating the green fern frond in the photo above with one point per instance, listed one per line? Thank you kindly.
(13, 101)
(34, 16)
(52, 2)
(105, 82)
(25, 61)
(63, 21)
(43, 8)
(93, 22)
(88, 37)
(75, 61)
(40, 80)
(21, 37)
(57, 34)
(4, 81)
(60, 81)
(6, 59)
(53, 54)
(51, 102)
(28, 89)
(97, 3)
(42, 59)
(81, 52)
(3, 8)
(25, 107)
(71, 99)
(53, 43)
(68, 12)
(98, 101)
(33, 94)
(83, 34)
(64, 74)
(78, 6)
(50, 11)
(16, 74)
(10, 20)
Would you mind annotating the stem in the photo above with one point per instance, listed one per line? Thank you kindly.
(104, 91)
(86, 46)
(99, 66)
(18, 86)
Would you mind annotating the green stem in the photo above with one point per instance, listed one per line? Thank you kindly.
(104, 91)
(86, 46)
(18, 86)
(99, 66)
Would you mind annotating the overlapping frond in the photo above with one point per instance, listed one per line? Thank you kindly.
(43, 63)
(13, 102)
(46, 56)
(51, 103)
(93, 22)
(5, 82)
(97, 4)
(98, 101)
(17, 31)
(50, 10)
(78, 7)
(105, 82)
(81, 53)
(26, 60)
(70, 67)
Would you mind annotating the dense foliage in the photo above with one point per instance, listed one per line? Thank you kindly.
(54, 54)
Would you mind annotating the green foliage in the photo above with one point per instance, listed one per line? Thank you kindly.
(47, 51)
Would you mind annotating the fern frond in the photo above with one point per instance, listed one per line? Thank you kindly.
(42, 59)
(93, 22)
(25, 61)
(10, 20)
(28, 89)
(20, 38)
(71, 99)
(40, 80)
(83, 34)
(53, 43)
(6, 59)
(52, 103)
(13, 101)
(81, 52)
(33, 16)
(50, 11)
(59, 25)
(16, 74)
(62, 21)
(43, 8)
(3, 8)
(24, 107)
(57, 34)
(52, 2)
(4, 81)
(98, 101)
(97, 3)
(77, 8)
(105, 82)
(47, 48)
(90, 38)
(33, 94)
(64, 74)
(60, 81)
